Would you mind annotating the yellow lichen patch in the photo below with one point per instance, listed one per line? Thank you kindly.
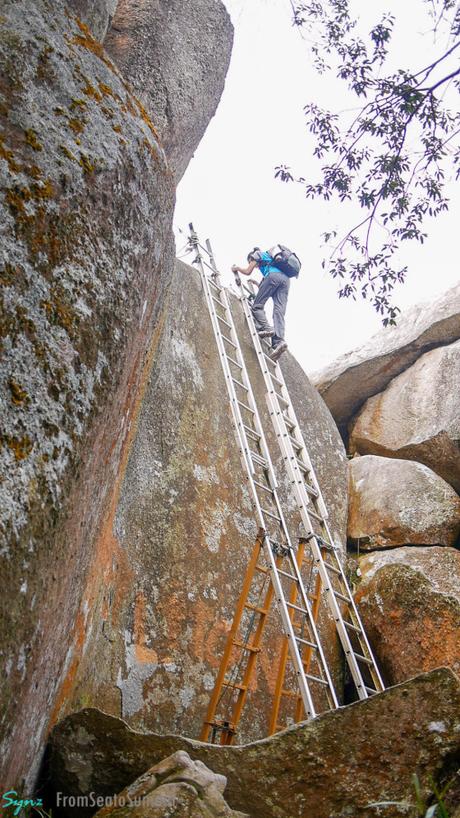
(106, 90)
(18, 395)
(20, 446)
(16, 197)
(8, 155)
(45, 190)
(59, 111)
(59, 313)
(67, 153)
(32, 140)
(34, 171)
(117, 128)
(86, 40)
(90, 91)
(76, 125)
(153, 153)
(107, 111)
(145, 118)
(78, 104)
(85, 163)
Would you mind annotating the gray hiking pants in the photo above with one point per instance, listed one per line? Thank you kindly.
(276, 286)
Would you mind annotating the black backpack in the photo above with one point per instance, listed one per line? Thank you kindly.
(286, 260)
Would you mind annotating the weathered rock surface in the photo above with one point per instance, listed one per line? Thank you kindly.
(85, 219)
(176, 56)
(399, 502)
(86, 210)
(176, 787)
(181, 521)
(97, 14)
(332, 767)
(347, 383)
(418, 416)
(409, 600)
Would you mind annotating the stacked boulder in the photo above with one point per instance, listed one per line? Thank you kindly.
(395, 401)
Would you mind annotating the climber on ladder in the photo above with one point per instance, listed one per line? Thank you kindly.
(277, 266)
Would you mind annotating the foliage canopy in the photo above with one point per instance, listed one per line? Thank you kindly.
(392, 157)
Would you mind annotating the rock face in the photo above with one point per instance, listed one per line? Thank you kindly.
(177, 787)
(332, 767)
(173, 54)
(97, 14)
(409, 600)
(86, 210)
(86, 203)
(398, 502)
(181, 529)
(417, 417)
(347, 383)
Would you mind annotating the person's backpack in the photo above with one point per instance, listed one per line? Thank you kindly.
(286, 260)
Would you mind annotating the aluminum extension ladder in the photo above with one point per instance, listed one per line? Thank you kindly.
(273, 548)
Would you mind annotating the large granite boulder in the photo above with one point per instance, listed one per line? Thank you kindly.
(346, 383)
(409, 600)
(176, 787)
(417, 417)
(335, 766)
(176, 56)
(86, 205)
(399, 502)
(177, 540)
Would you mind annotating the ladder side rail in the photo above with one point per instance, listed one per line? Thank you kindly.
(225, 661)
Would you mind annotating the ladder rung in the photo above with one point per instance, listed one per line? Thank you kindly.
(246, 646)
(219, 302)
(317, 679)
(315, 515)
(302, 466)
(341, 596)
(295, 443)
(261, 486)
(232, 361)
(255, 608)
(280, 398)
(290, 693)
(235, 686)
(306, 642)
(288, 421)
(257, 458)
(311, 490)
(240, 384)
(245, 406)
(270, 514)
(251, 432)
(332, 568)
(363, 659)
(213, 284)
(228, 340)
(263, 569)
(288, 575)
(274, 378)
(224, 320)
(352, 627)
(296, 607)
(370, 690)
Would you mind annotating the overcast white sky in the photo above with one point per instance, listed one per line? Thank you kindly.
(231, 196)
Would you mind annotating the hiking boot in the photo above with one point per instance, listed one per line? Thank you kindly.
(278, 350)
(266, 333)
